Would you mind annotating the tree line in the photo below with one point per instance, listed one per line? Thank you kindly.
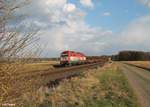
(131, 56)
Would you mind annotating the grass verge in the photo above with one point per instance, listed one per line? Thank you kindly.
(106, 87)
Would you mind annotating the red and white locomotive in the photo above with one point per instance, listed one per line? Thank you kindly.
(72, 58)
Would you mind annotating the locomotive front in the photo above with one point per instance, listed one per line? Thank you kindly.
(64, 58)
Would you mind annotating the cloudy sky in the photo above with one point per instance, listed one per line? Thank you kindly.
(94, 27)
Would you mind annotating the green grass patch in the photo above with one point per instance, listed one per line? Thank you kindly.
(118, 92)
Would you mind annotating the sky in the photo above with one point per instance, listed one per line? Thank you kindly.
(94, 27)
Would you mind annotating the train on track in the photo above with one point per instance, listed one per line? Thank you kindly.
(69, 58)
(72, 58)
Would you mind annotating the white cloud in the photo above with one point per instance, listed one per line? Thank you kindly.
(138, 32)
(54, 2)
(69, 7)
(76, 36)
(135, 36)
(87, 3)
(62, 27)
(145, 2)
(106, 14)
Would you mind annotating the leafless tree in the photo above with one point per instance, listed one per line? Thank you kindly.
(13, 43)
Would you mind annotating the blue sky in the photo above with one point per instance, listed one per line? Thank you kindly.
(121, 12)
(94, 27)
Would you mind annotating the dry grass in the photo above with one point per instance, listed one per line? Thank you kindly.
(145, 64)
(45, 65)
(29, 67)
(106, 87)
(8, 73)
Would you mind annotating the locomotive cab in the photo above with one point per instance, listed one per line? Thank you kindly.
(64, 58)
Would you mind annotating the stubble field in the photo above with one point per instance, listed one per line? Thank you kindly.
(144, 64)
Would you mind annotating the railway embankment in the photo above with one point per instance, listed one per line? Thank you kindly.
(106, 86)
(31, 81)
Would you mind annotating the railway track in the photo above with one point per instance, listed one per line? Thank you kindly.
(28, 75)
(37, 79)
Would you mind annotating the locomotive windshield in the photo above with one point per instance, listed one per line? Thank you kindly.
(64, 55)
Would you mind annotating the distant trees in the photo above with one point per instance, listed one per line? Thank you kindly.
(132, 56)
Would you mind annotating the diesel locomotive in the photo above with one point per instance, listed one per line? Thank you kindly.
(72, 58)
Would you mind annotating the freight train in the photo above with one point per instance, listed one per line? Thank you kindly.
(68, 58)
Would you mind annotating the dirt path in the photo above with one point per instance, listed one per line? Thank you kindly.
(139, 79)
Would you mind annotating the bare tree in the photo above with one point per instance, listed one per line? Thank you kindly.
(13, 43)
